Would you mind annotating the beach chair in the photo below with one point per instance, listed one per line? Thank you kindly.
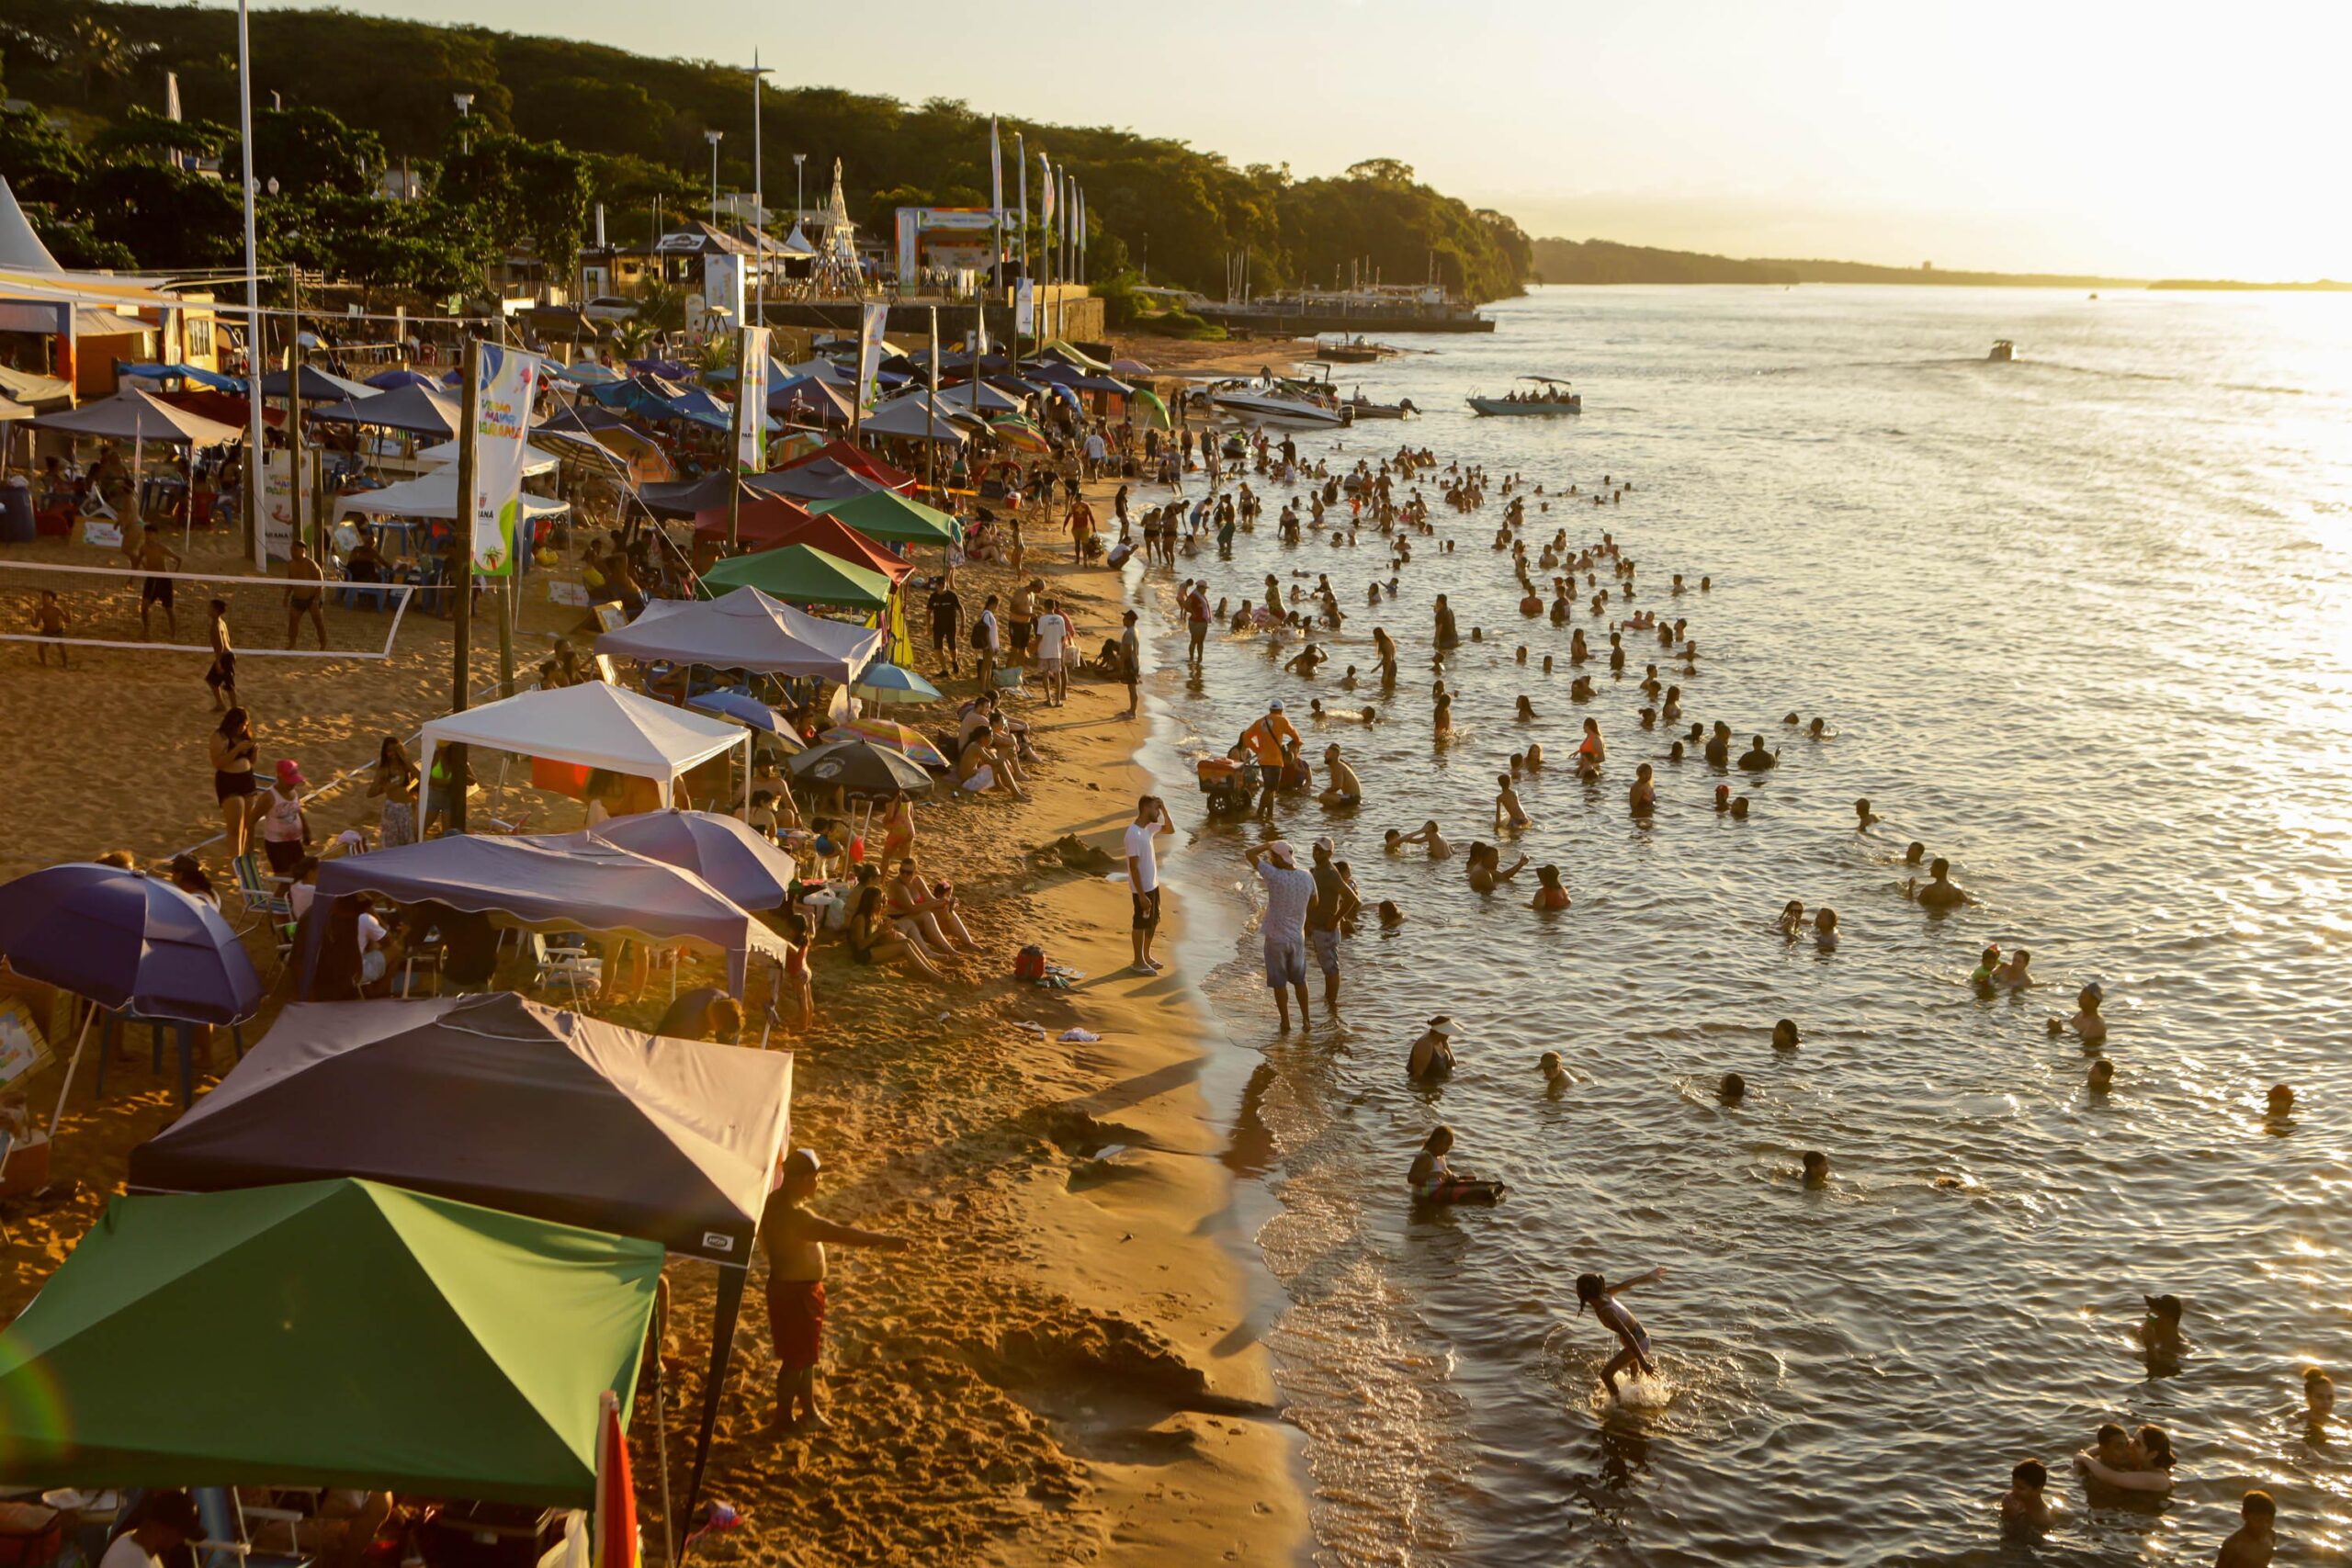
(561, 961)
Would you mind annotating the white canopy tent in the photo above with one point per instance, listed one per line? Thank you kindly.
(433, 494)
(914, 416)
(594, 726)
(138, 417)
(535, 461)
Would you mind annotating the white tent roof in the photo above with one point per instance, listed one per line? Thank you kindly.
(19, 246)
(797, 243)
(133, 415)
(910, 416)
(534, 461)
(823, 369)
(592, 725)
(433, 494)
(746, 630)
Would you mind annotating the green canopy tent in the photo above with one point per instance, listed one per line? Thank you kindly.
(798, 574)
(886, 514)
(345, 1333)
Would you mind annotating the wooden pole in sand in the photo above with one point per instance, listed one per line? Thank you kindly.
(461, 571)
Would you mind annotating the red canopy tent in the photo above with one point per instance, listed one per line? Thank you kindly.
(865, 462)
(229, 408)
(762, 522)
(830, 535)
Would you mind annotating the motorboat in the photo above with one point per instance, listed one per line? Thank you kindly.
(2003, 349)
(1285, 404)
(1552, 395)
(1363, 407)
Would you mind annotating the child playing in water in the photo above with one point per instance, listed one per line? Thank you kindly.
(1596, 1293)
(2025, 1512)
(1508, 812)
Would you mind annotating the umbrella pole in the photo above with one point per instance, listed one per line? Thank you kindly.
(90, 1013)
(662, 1433)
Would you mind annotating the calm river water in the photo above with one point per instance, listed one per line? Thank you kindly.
(2083, 623)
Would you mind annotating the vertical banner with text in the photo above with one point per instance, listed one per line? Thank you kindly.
(752, 386)
(509, 381)
(871, 325)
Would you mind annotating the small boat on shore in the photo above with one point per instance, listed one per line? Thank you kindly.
(2004, 351)
(1350, 351)
(1551, 397)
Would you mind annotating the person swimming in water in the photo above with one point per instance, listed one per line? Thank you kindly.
(1785, 1037)
(1549, 895)
(1824, 930)
(2013, 972)
(2319, 1398)
(1429, 1059)
(2086, 1023)
(1426, 834)
(1756, 759)
(2280, 1103)
(1816, 1169)
(1732, 1090)
(1791, 921)
(1594, 1291)
(1555, 1077)
(1865, 819)
(2159, 1332)
(2102, 1077)
(2024, 1511)
(1642, 798)
(1941, 893)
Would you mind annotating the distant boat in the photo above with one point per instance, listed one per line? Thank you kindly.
(1555, 398)
(2094, 293)
(1366, 409)
(2003, 349)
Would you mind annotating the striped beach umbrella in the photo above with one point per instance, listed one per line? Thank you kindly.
(1020, 434)
(909, 743)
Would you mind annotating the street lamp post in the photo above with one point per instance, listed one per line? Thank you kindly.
(799, 197)
(759, 203)
(714, 137)
(465, 102)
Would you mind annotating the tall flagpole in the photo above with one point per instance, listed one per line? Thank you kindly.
(256, 534)
(1021, 162)
(996, 253)
(759, 216)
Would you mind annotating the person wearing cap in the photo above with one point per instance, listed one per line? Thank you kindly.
(1333, 905)
(1272, 739)
(1142, 849)
(1289, 891)
(793, 1241)
(1429, 1059)
(285, 826)
(162, 1524)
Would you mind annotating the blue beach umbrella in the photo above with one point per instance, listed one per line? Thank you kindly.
(749, 712)
(892, 684)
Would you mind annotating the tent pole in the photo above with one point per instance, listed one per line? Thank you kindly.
(731, 1282)
(90, 1012)
(461, 574)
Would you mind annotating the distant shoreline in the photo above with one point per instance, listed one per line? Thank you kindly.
(1599, 261)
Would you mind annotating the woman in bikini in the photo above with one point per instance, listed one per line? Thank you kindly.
(232, 777)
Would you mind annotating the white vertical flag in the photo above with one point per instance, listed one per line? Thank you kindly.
(507, 380)
(1021, 165)
(996, 170)
(1046, 212)
(872, 324)
(751, 388)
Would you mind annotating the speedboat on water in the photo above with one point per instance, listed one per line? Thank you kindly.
(1551, 396)
(1285, 404)
(2003, 349)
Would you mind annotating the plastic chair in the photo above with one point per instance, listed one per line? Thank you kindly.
(553, 962)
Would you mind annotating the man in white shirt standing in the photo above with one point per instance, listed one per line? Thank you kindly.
(1289, 890)
(1096, 450)
(1053, 633)
(1143, 876)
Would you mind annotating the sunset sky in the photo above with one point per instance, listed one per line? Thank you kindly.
(2150, 139)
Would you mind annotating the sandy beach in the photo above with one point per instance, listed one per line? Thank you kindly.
(1062, 1369)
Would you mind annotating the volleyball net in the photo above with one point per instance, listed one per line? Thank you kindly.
(110, 606)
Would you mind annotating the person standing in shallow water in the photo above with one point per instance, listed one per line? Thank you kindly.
(1596, 1293)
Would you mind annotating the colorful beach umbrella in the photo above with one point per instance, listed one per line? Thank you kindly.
(751, 713)
(895, 683)
(1019, 433)
(1148, 401)
(907, 742)
(859, 767)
